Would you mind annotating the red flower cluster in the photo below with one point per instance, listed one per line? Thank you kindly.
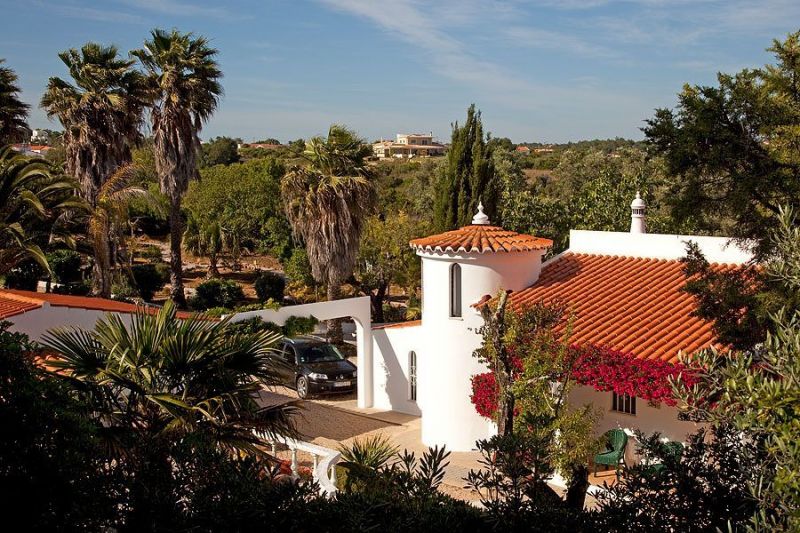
(610, 370)
(605, 370)
(484, 394)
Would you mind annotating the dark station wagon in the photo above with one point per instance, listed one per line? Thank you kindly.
(312, 366)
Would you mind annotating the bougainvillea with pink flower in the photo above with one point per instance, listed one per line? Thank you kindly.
(605, 370)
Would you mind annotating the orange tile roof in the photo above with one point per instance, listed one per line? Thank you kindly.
(630, 304)
(480, 238)
(408, 324)
(14, 302)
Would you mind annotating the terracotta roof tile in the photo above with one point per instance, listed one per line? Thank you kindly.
(14, 302)
(480, 238)
(630, 304)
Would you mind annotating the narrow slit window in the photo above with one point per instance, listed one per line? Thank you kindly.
(412, 376)
(623, 403)
(455, 291)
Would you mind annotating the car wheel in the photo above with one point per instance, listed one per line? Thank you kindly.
(302, 387)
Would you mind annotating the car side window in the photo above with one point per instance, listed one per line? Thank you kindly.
(289, 354)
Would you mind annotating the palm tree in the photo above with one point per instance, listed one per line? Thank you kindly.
(327, 203)
(184, 80)
(101, 114)
(108, 219)
(13, 112)
(169, 379)
(204, 239)
(33, 197)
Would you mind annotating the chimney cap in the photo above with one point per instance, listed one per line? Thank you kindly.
(480, 217)
(638, 203)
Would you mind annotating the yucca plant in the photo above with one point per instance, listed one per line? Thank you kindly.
(369, 452)
(166, 379)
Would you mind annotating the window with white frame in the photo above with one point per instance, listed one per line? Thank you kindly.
(623, 403)
(455, 291)
(412, 376)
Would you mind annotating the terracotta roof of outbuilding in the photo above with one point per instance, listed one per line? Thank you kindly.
(15, 302)
(630, 304)
(480, 238)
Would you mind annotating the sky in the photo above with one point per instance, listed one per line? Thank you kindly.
(540, 71)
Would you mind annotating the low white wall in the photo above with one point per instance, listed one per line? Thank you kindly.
(37, 322)
(390, 349)
(655, 245)
(648, 419)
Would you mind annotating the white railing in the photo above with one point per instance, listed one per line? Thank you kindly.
(325, 460)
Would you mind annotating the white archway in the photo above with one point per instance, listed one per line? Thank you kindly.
(356, 308)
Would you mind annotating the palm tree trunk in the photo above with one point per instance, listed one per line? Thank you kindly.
(102, 266)
(335, 335)
(213, 270)
(175, 259)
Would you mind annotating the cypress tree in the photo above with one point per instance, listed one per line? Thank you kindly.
(467, 178)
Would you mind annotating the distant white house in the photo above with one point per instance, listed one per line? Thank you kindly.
(408, 145)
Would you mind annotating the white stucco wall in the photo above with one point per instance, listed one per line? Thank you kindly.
(648, 419)
(37, 322)
(391, 348)
(445, 361)
(656, 245)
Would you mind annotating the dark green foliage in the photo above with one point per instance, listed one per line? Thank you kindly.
(25, 276)
(65, 266)
(270, 286)
(13, 111)
(77, 288)
(467, 178)
(149, 252)
(707, 488)
(299, 325)
(150, 278)
(220, 151)
(734, 147)
(52, 474)
(298, 269)
(216, 293)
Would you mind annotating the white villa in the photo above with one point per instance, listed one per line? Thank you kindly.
(624, 290)
(408, 145)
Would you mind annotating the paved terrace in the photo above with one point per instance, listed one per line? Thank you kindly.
(334, 420)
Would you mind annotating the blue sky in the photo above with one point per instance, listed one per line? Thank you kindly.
(539, 70)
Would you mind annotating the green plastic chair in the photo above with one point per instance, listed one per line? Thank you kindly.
(616, 442)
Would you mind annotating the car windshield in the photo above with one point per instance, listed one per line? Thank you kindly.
(317, 353)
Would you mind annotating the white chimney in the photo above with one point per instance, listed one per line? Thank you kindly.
(638, 208)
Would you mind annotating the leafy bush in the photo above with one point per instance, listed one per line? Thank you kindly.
(299, 325)
(298, 269)
(270, 286)
(77, 288)
(150, 278)
(150, 252)
(24, 276)
(216, 293)
(255, 325)
(65, 266)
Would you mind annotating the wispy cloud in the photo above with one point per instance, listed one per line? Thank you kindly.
(185, 9)
(90, 13)
(554, 40)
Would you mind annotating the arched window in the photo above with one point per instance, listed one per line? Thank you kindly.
(455, 290)
(412, 376)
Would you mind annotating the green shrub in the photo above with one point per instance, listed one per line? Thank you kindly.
(270, 286)
(150, 278)
(255, 325)
(216, 293)
(299, 325)
(298, 269)
(24, 276)
(77, 288)
(369, 452)
(150, 252)
(65, 265)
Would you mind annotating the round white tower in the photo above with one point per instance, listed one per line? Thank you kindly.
(459, 268)
(638, 212)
